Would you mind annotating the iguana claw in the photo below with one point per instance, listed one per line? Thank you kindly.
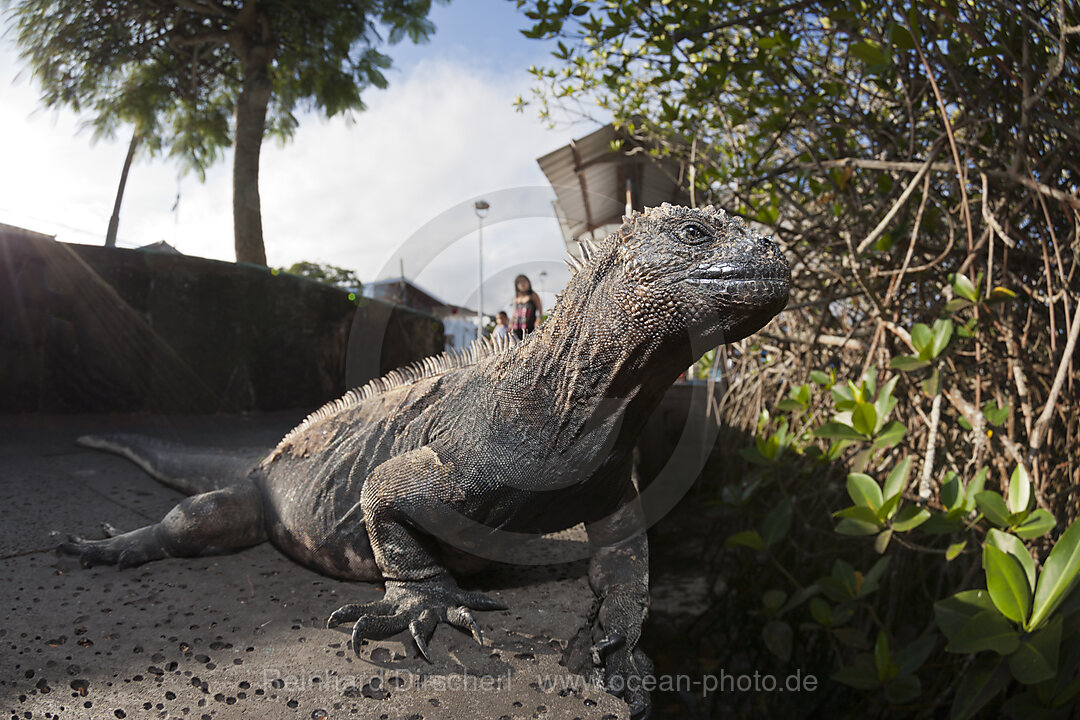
(601, 649)
(462, 618)
(416, 606)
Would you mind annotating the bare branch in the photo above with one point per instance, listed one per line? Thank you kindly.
(1039, 432)
(1059, 61)
(885, 221)
(1072, 200)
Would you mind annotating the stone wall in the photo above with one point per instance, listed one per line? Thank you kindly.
(94, 329)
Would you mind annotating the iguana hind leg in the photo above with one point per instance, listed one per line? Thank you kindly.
(402, 500)
(187, 468)
(206, 524)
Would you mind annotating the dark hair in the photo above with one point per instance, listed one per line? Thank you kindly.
(519, 278)
(502, 314)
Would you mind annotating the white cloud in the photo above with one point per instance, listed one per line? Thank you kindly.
(347, 193)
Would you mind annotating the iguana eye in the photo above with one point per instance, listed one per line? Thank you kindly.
(692, 232)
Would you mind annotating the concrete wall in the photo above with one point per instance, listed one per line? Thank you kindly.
(93, 329)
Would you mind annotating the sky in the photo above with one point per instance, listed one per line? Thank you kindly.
(392, 189)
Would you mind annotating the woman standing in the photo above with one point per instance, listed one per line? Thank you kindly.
(527, 308)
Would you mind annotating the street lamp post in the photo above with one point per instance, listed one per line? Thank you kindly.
(482, 208)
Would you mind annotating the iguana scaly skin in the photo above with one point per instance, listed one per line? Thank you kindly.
(399, 480)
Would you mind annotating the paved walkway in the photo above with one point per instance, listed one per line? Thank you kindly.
(240, 635)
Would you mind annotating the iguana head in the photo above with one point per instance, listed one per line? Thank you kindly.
(707, 273)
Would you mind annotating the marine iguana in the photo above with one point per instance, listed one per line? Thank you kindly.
(399, 480)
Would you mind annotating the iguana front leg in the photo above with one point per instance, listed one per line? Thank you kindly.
(619, 576)
(402, 496)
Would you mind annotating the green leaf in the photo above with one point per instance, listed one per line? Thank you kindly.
(957, 304)
(1007, 582)
(954, 550)
(746, 538)
(993, 507)
(844, 395)
(846, 574)
(1058, 575)
(943, 330)
(942, 524)
(1010, 544)
(834, 589)
(1027, 704)
(1037, 524)
(771, 600)
(864, 418)
(870, 53)
(932, 385)
(779, 638)
(898, 478)
(995, 414)
(912, 657)
(862, 513)
(848, 526)
(799, 598)
(988, 630)
(907, 363)
(974, 488)
(870, 581)
(864, 490)
(752, 455)
(963, 287)
(900, 38)
(922, 338)
(821, 612)
(1000, 294)
(890, 435)
(953, 613)
(801, 394)
(839, 431)
(1019, 490)
(978, 686)
(861, 675)
(881, 543)
(903, 690)
(776, 523)
(788, 404)
(888, 508)
(885, 402)
(1036, 660)
(909, 518)
(952, 492)
(820, 378)
(883, 664)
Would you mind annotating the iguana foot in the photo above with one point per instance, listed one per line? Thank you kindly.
(416, 606)
(124, 550)
(624, 669)
(624, 673)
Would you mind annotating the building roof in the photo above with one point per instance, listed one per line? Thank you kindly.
(414, 296)
(161, 246)
(14, 231)
(599, 177)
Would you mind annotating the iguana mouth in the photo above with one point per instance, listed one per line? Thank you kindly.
(729, 273)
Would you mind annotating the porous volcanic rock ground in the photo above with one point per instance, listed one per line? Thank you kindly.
(238, 635)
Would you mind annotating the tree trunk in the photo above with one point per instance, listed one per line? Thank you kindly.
(114, 221)
(251, 107)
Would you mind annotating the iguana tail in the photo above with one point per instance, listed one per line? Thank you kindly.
(189, 469)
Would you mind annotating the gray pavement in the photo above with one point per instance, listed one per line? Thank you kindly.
(239, 635)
